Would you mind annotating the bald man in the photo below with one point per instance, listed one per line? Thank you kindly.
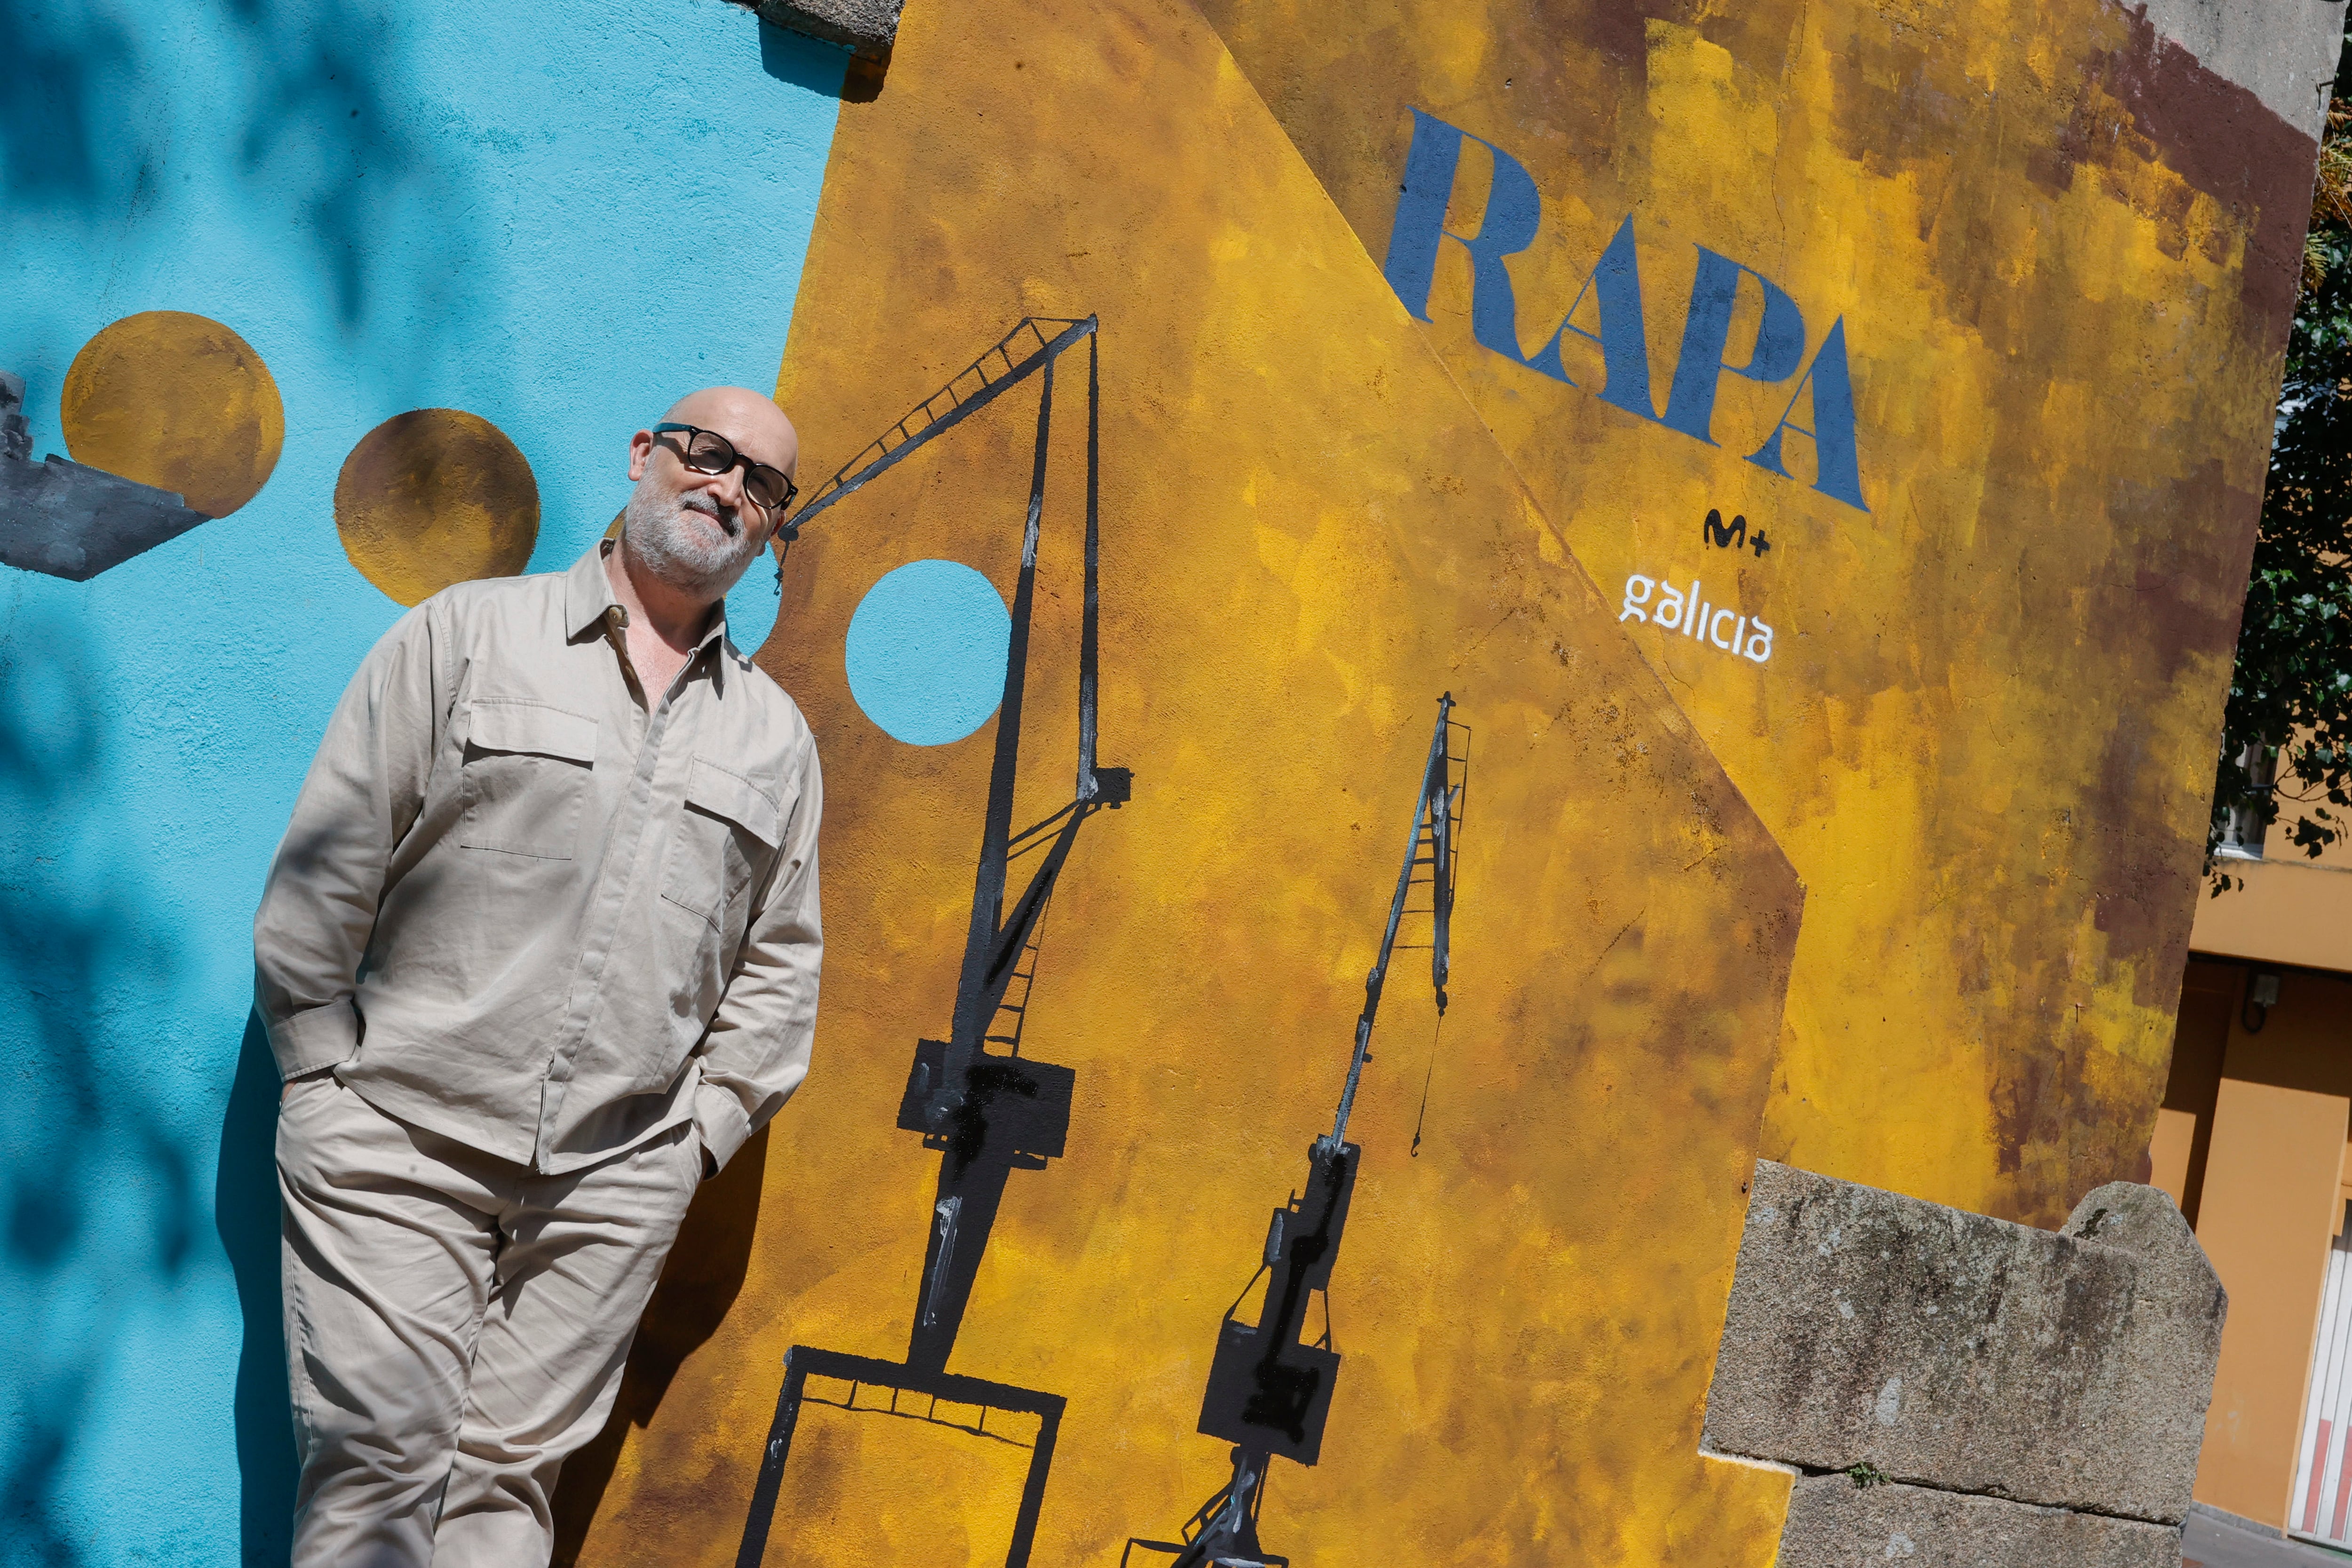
(538, 953)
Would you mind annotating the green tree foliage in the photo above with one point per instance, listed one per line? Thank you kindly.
(2290, 709)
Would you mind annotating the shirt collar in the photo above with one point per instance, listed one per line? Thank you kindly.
(588, 593)
(588, 600)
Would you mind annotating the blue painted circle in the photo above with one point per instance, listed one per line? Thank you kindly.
(926, 652)
(751, 603)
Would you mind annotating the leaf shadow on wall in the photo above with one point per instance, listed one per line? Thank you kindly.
(699, 1284)
(103, 1213)
(94, 129)
(51, 85)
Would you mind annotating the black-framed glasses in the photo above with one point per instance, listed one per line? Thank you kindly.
(708, 452)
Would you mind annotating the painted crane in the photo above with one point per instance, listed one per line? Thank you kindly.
(987, 1112)
(1269, 1389)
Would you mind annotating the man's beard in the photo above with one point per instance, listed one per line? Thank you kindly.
(678, 551)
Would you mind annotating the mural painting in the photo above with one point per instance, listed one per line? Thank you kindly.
(1906, 274)
(1230, 417)
(1269, 1388)
(1306, 536)
(988, 1113)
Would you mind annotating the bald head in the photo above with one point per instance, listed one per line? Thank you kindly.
(696, 531)
(751, 421)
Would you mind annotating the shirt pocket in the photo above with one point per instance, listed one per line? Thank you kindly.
(728, 824)
(524, 781)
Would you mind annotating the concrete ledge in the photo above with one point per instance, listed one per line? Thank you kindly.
(1950, 1351)
(1832, 1523)
(868, 27)
(2229, 1521)
(2291, 912)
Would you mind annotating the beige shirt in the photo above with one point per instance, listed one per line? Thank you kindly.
(517, 907)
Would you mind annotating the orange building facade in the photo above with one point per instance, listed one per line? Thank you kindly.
(2252, 1142)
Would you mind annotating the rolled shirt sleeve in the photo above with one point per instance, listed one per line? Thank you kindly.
(319, 905)
(757, 1050)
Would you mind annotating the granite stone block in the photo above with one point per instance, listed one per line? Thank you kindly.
(1832, 1523)
(2068, 1368)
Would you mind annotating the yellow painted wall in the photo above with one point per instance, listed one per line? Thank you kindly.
(1318, 513)
(1307, 535)
(2268, 1208)
(1986, 738)
(2303, 1041)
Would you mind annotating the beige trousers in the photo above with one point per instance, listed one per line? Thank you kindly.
(455, 1327)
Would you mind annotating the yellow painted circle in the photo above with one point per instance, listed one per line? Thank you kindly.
(179, 402)
(433, 497)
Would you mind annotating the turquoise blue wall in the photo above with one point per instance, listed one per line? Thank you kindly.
(555, 215)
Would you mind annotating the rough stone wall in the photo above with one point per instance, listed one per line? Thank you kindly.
(2033, 1395)
(866, 28)
(1834, 1523)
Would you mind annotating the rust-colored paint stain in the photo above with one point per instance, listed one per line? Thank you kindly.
(1308, 534)
(433, 497)
(177, 401)
(2062, 254)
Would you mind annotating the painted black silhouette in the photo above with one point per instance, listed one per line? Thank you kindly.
(1712, 531)
(1269, 1391)
(988, 1112)
(68, 520)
